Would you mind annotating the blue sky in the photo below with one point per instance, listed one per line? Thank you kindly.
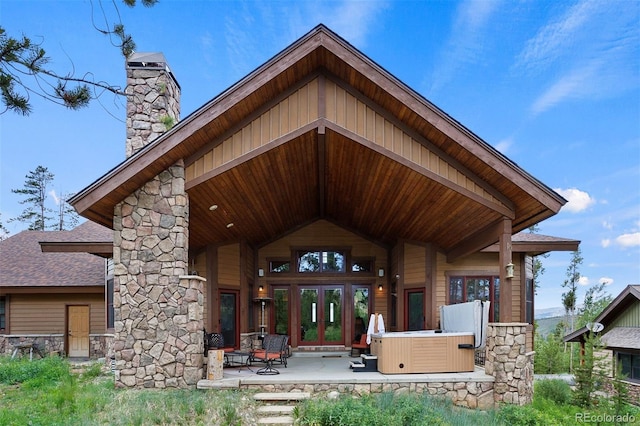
(555, 86)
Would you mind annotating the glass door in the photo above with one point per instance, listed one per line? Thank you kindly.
(415, 309)
(229, 318)
(321, 315)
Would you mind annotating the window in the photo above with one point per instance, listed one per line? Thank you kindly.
(630, 363)
(279, 266)
(3, 315)
(467, 289)
(362, 265)
(321, 261)
(528, 308)
(109, 290)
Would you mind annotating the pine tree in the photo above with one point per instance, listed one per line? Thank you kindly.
(35, 191)
(569, 297)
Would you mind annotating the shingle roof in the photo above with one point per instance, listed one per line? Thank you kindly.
(23, 264)
(622, 337)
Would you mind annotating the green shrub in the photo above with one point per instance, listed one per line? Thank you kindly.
(555, 390)
(388, 409)
(46, 370)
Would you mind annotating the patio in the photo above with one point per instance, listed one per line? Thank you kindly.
(329, 372)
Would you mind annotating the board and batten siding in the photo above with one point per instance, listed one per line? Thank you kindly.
(46, 313)
(293, 112)
(630, 317)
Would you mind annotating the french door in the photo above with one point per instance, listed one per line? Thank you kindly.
(321, 314)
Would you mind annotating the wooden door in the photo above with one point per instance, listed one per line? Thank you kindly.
(78, 331)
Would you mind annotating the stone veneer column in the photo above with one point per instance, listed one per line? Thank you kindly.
(508, 361)
(158, 312)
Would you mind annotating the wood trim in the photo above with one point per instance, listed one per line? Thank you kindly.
(505, 257)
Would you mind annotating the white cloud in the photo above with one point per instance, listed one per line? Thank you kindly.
(607, 225)
(605, 242)
(577, 200)
(55, 197)
(554, 39)
(629, 240)
(504, 145)
(583, 280)
(464, 46)
(606, 280)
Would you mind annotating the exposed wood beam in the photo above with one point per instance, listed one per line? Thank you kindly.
(481, 239)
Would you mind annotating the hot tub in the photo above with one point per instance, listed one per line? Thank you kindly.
(423, 351)
(464, 330)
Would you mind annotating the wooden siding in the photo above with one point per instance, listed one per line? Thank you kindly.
(292, 113)
(45, 313)
(322, 234)
(630, 317)
(358, 116)
(229, 265)
(477, 264)
(415, 262)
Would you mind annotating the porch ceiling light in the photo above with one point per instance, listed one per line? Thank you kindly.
(213, 207)
(229, 225)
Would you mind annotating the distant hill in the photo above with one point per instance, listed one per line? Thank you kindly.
(547, 325)
(549, 312)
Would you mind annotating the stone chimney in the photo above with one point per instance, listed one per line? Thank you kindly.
(153, 99)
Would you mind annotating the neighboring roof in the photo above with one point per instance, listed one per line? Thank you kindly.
(536, 244)
(88, 237)
(622, 337)
(23, 264)
(329, 172)
(628, 296)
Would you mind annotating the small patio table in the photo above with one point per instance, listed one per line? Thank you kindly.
(238, 359)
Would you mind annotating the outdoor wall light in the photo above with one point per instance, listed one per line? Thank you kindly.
(261, 288)
(381, 272)
(261, 272)
(379, 287)
(509, 270)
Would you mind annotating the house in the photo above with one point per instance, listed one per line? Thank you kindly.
(620, 335)
(55, 300)
(319, 188)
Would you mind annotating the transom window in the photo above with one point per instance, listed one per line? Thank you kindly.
(469, 288)
(279, 266)
(321, 261)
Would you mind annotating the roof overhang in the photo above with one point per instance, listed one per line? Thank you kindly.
(323, 171)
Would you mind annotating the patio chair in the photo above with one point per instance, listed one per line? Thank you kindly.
(361, 345)
(273, 350)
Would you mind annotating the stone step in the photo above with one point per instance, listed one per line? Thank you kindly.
(281, 396)
(280, 420)
(275, 409)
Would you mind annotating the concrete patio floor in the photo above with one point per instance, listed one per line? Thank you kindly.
(330, 369)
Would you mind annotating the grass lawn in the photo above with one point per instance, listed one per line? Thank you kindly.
(48, 392)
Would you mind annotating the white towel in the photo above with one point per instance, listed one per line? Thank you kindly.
(376, 325)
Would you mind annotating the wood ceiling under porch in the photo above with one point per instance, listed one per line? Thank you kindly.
(323, 151)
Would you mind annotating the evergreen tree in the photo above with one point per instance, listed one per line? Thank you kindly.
(4, 232)
(569, 297)
(24, 70)
(35, 191)
(590, 374)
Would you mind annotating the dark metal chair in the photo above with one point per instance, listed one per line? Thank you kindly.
(274, 349)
